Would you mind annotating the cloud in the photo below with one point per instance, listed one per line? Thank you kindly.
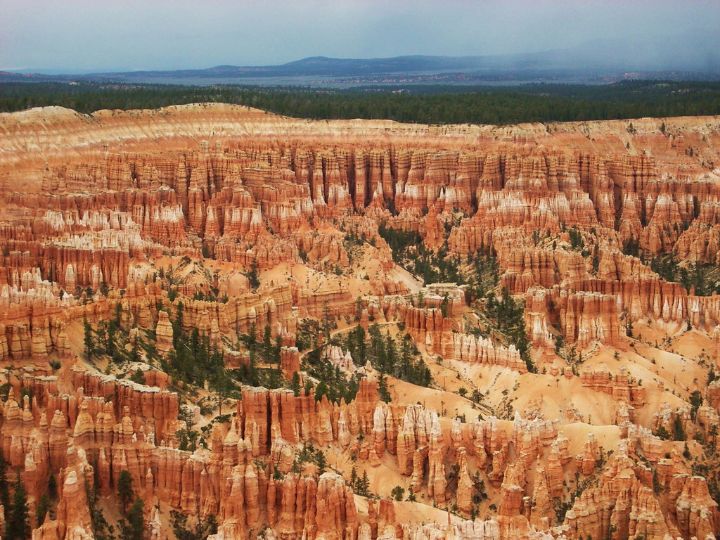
(169, 34)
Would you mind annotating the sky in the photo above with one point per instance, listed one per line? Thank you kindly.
(122, 35)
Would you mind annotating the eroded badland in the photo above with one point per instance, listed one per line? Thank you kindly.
(360, 329)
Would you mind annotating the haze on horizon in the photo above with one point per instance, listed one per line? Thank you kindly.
(77, 36)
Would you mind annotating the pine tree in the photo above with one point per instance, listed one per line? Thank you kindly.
(383, 389)
(52, 487)
(125, 489)
(4, 488)
(320, 390)
(364, 485)
(88, 341)
(276, 350)
(353, 479)
(101, 529)
(327, 323)
(295, 384)
(678, 429)
(320, 461)
(267, 343)
(18, 522)
(42, 509)
(596, 259)
(135, 352)
(133, 527)
(253, 277)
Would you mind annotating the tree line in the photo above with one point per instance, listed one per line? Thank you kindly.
(424, 104)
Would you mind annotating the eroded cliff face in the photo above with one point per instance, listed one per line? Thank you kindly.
(553, 377)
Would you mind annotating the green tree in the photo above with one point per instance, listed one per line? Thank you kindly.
(656, 482)
(320, 461)
(397, 493)
(328, 323)
(444, 305)
(662, 433)
(202, 529)
(125, 489)
(42, 509)
(267, 344)
(508, 317)
(4, 487)
(596, 259)
(678, 429)
(295, 384)
(696, 400)
(18, 520)
(101, 529)
(363, 485)
(631, 247)
(135, 351)
(383, 389)
(138, 377)
(88, 342)
(133, 527)
(321, 390)
(52, 487)
(253, 276)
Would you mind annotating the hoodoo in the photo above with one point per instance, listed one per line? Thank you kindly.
(220, 322)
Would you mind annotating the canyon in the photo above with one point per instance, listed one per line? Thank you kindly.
(360, 329)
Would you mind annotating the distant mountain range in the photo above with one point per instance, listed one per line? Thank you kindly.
(599, 61)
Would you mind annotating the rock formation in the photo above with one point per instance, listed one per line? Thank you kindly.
(231, 306)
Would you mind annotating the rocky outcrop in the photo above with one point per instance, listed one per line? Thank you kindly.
(164, 333)
(135, 223)
(627, 507)
(621, 386)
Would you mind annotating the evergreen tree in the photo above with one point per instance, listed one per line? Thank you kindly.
(327, 323)
(125, 489)
(397, 493)
(321, 390)
(596, 259)
(383, 389)
(201, 531)
(508, 317)
(696, 400)
(88, 341)
(364, 485)
(353, 479)
(18, 520)
(4, 487)
(320, 461)
(42, 509)
(295, 384)
(267, 344)
(678, 429)
(135, 351)
(253, 277)
(101, 529)
(133, 527)
(276, 350)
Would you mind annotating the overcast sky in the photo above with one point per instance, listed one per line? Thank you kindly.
(105, 35)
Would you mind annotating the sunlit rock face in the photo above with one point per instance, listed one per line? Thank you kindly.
(538, 334)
